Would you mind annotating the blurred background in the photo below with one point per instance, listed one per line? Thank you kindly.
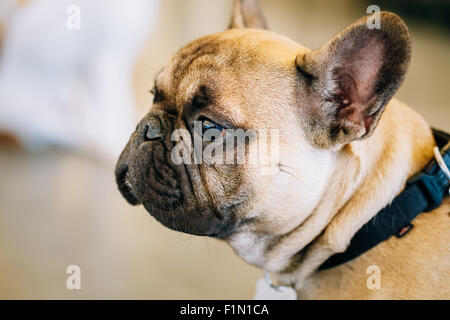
(75, 77)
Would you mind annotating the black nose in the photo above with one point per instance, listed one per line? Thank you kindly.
(152, 129)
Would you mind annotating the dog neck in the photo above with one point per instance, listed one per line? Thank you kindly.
(368, 174)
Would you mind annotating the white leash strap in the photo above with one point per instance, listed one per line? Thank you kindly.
(441, 163)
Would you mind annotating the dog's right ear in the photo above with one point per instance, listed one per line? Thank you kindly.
(247, 14)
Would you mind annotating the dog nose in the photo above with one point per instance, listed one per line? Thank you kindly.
(152, 129)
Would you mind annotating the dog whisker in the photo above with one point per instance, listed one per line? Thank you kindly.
(283, 168)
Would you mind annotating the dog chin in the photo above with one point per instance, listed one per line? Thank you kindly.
(189, 221)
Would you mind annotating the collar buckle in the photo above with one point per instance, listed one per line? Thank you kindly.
(434, 180)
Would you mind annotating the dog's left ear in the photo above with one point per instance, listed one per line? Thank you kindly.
(247, 14)
(354, 76)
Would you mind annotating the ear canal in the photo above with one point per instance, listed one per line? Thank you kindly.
(247, 14)
(356, 74)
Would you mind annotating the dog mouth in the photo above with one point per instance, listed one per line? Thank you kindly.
(123, 184)
(166, 192)
(146, 177)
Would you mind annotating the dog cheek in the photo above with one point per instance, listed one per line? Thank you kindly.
(226, 184)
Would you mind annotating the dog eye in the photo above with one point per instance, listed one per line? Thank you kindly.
(210, 125)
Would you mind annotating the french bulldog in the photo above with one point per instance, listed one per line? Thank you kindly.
(346, 147)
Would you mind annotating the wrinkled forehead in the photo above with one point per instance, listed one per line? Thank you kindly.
(236, 54)
(242, 71)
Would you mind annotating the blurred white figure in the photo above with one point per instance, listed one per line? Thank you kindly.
(73, 87)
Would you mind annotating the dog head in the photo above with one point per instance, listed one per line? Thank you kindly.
(249, 78)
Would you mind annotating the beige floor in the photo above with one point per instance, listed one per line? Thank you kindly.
(60, 208)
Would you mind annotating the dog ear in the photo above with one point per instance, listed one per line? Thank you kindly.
(247, 14)
(354, 76)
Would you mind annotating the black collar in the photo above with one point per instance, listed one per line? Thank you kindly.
(423, 192)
